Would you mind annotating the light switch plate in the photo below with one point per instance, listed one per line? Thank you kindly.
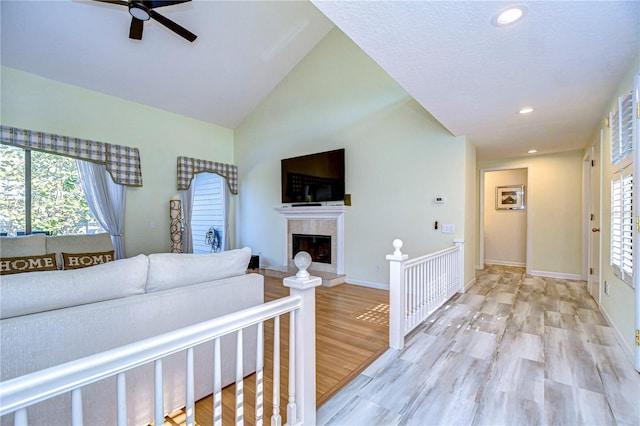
(448, 228)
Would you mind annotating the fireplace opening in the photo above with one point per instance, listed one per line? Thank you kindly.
(318, 246)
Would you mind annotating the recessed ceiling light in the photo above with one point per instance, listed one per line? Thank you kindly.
(532, 151)
(509, 15)
(525, 110)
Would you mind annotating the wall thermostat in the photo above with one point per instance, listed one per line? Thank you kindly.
(439, 200)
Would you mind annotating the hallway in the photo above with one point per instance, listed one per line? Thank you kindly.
(513, 350)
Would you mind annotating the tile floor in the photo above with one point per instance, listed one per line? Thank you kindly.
(513, 350)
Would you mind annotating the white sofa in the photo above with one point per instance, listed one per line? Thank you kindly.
(48, 318)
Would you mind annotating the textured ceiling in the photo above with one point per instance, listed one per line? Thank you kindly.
(242, 52)
(565, 58)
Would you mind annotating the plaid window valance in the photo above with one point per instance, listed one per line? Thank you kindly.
(122, 162)
(188, 167)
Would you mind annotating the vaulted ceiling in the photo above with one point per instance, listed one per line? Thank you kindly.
(564, 58)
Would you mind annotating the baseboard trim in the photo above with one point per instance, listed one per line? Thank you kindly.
(559, 275)
(369, 284)
(505, 263)
(628, 350)
(470, 284)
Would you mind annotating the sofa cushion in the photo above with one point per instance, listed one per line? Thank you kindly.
(171, 270)
(82, 260)
(16, 265)
(29, 245)
(24, 294)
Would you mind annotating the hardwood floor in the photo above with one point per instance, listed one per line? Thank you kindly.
(351, 332)
(513, 350)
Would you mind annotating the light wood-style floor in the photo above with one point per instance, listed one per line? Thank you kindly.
(351, 332)
(513, 350)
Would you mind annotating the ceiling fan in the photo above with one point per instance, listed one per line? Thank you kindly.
(143, 10)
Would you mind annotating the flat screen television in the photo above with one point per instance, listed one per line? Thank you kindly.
(313, 178)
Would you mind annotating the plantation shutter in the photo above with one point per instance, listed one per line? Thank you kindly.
(622, 224)
(621, 124)
(623, 137)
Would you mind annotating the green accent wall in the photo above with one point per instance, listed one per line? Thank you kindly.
(36, 103)
(398, 159)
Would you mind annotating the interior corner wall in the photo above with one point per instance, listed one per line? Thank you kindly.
(555, 202)
(398, 159)
(471, 215)
(505, 231)
(36, 103)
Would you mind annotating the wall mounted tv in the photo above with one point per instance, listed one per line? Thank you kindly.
(313, 178)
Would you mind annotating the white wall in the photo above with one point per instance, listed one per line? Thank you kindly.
(554, 201)
(398, 158)
(36, 103)
(505, 231)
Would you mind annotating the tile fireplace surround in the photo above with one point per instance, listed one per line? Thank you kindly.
(316, 220)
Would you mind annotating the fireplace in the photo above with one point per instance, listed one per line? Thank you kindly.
(315, 221)
(318, 246)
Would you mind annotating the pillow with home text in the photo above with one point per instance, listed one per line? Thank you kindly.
(16, 265)
(83, 260)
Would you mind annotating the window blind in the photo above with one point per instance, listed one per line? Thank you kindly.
(621, 128)
(622, 225)
(623, 138)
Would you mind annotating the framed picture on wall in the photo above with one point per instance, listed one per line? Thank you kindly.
(510, 197)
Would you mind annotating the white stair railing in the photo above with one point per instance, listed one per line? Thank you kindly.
(419, 286)
(17, 394)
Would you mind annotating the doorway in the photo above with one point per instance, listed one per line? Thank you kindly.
(592, 224)
(504, 232)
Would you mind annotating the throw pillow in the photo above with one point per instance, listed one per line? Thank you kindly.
(82, 260)
(16, 265)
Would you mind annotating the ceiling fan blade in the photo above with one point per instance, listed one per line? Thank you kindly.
(119, 2)
(160, 3)
(181, 31)
(135, 30)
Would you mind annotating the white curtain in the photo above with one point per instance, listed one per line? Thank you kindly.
(186, 199)
(106, 199)
(226, 198)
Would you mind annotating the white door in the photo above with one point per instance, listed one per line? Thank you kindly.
(593, 282)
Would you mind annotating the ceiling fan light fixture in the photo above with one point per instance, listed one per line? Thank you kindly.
(139, 11)
(532, 151)
(509, 15)
(526, 110)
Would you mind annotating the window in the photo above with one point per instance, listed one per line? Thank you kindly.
(622, 225)
(623, 140)
(41, 193)
(621, 125)
(207, 217)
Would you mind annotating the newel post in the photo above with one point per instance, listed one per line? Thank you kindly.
(304, 285)
(460, 266)
(396, 296)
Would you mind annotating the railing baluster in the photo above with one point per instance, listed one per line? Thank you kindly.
(121, 392)
(276, 420)
(291, 406)
(190, 403)
(76, 407)
(157, 393)
(260, 374)
(217, 384)
(419, 286)
(73, 376)
(20, 418)
(239, 381)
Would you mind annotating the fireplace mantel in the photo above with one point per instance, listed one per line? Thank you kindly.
(315, 212)
(335, 213)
